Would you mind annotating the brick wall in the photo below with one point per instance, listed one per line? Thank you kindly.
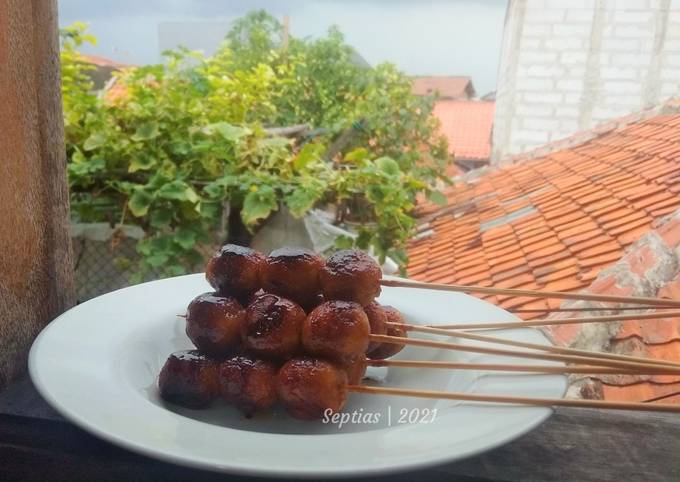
(569, 65)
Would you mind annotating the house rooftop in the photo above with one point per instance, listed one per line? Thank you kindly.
(446, 87)
(467, 125)
(558, 217)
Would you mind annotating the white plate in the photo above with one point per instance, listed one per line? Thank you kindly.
(97, 365)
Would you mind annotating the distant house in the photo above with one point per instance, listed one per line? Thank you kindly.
(467, 125)
(104, 69)
(446, 87)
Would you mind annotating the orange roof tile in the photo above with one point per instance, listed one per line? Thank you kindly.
(467, 126)
(557, 218)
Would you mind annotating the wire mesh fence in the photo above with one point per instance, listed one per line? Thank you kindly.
(105, 258)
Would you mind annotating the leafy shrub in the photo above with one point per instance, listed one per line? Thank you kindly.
(183, 142)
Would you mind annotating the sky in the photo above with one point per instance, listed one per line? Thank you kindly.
(422, 37)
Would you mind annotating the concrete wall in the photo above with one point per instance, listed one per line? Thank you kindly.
(568, 65)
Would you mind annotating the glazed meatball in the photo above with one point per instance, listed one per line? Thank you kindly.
(294, 274)
(214, 323)
(235, 271)
(355, 368)
(189, 378)
(337, 330)
(307, 387)
(273, 326)
(386, 350)
(248, 383)
(378, 321)
(351, 275)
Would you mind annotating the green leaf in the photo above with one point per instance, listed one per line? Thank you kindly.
(141, 163)
(301, 200)
(310, 152)
(97, 139)
(356, 155)
(229, 131)
(139, 203)
(186, 238)
(146, 131)
(156, 260)
(258, 205)
(179, 191)
(437, 197)
(161, 218)
(388, 165)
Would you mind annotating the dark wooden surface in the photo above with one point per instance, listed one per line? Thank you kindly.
(573, 445)
(36, 274)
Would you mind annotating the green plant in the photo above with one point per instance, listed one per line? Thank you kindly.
(183, 140)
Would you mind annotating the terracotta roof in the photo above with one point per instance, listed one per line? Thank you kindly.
(448, 87)
(555, 221)
(650, 267)
(467, 126)
(104, 62)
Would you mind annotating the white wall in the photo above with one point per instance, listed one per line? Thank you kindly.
(569, 65)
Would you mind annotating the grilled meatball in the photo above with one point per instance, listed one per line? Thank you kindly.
(189, 378)
(355, 368)
(235, 271)
(351, 275)
(337, 330)
(214, 323)
(248, 383)
(307, 387)
(386, 350)
(272, 328)
(378, 321)
(294, 274)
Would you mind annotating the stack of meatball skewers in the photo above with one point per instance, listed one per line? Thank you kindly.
(294, 329)
(291, 328)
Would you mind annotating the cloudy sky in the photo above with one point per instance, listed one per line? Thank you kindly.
(438, 37)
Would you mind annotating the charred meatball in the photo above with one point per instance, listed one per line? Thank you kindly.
(351, 275)
(386, 350)
(235, 271)
(337, 330)
(307, 387)
(248, 383)
(214, 323)
(378, 321)
(189, 378)
(273, 326)
(294, 274)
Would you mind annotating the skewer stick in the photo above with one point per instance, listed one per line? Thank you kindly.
(533, 293)
(555, 310)
(535, 346)
(545, 402)
(507, 368)
(564, 321)
(520, 354)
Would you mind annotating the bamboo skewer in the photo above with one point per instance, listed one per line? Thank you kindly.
(532, 293)
(520, 354)
(509, 368)
(563, 321)
(546, 402)
(535, 346)
(556, 310)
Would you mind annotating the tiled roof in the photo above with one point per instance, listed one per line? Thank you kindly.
(467, 126)
(650, 267)
(104, 62)
(448, 87)
(553, 222)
